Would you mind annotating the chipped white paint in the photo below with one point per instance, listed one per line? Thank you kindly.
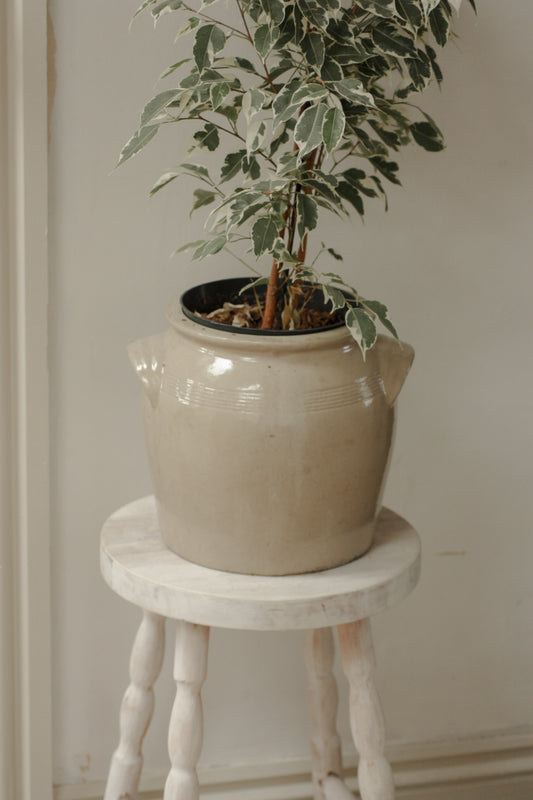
(141, 569)
(138, 567)
(366, 718)
(322, 698)
(137, 708)
(186, 724)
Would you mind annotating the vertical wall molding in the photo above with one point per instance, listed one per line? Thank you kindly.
(6, 604)
(26, 729)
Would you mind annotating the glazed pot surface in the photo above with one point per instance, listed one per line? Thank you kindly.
(267, 453)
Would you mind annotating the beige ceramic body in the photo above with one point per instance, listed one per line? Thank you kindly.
(267, 453)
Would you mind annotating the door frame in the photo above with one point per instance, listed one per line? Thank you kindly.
(25, 626)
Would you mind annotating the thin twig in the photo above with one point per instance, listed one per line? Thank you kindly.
(215, 21)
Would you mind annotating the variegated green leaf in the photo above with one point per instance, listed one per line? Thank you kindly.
(265, 37)
(255, 135)
(428, 136)
(419, 70)
(164, 180)
(253, 101)
(341, 32)
(334, 124)
(349, 55)
(381, 8)
(251, 167)
(348, 192)
(219, 92)
(358, 179)
(307, 213)
(189, 246)
(440, 25)
(280, 252)
(388, 169)
(324, 189)
(313, 49)
(189, 25)
(391, 40)
(353, 90)
(337, 257)
(264, 234)
(437, 72)
(248, 212)
(197, 169)
(410, 11)
(287, 163)
(139, 140)
(315, 12)
(279, 138)
(158, 104)
(382, 313)
(203, 197)
(361, 327)
(236, 62)
(335, 277)
(263, 281)
(144, 5)
(210, 39)
(233, 164)
(164, 7)
(308, 131)
(429, 5)
(210, 247)
(331, 71)
(283, 105)
(274, 10)
(334, 296)
(207, 137)
(174, 67)
(231, 111)
(309, 93)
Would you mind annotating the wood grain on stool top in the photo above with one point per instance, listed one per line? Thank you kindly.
(138, 567)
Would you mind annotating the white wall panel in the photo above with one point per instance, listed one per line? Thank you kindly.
(453, 260)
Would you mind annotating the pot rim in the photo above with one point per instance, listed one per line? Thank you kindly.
(186, 298)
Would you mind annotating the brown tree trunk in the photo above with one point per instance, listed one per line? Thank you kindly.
(271, 297)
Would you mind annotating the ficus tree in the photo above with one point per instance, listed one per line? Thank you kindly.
(308, 117)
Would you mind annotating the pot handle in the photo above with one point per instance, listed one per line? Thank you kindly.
(146, 358)
(395, 359)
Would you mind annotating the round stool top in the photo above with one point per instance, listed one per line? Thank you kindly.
(140, 568)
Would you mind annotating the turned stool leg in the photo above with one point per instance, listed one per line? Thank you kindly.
(322, 698)
(366, 717)
(137, 707)
(186, 722)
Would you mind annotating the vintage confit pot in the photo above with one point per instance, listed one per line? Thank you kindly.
(268, 450)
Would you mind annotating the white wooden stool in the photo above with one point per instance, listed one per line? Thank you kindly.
(138, 567)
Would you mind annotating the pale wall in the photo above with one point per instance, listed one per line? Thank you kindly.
(453, 260)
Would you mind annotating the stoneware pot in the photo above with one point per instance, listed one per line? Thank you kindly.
(268, 452)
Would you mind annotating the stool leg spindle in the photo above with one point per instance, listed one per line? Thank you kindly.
(186, 722)
(322, 698)
(366, 716)
(137, 708)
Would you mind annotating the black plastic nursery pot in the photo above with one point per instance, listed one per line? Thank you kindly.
(207, 297)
